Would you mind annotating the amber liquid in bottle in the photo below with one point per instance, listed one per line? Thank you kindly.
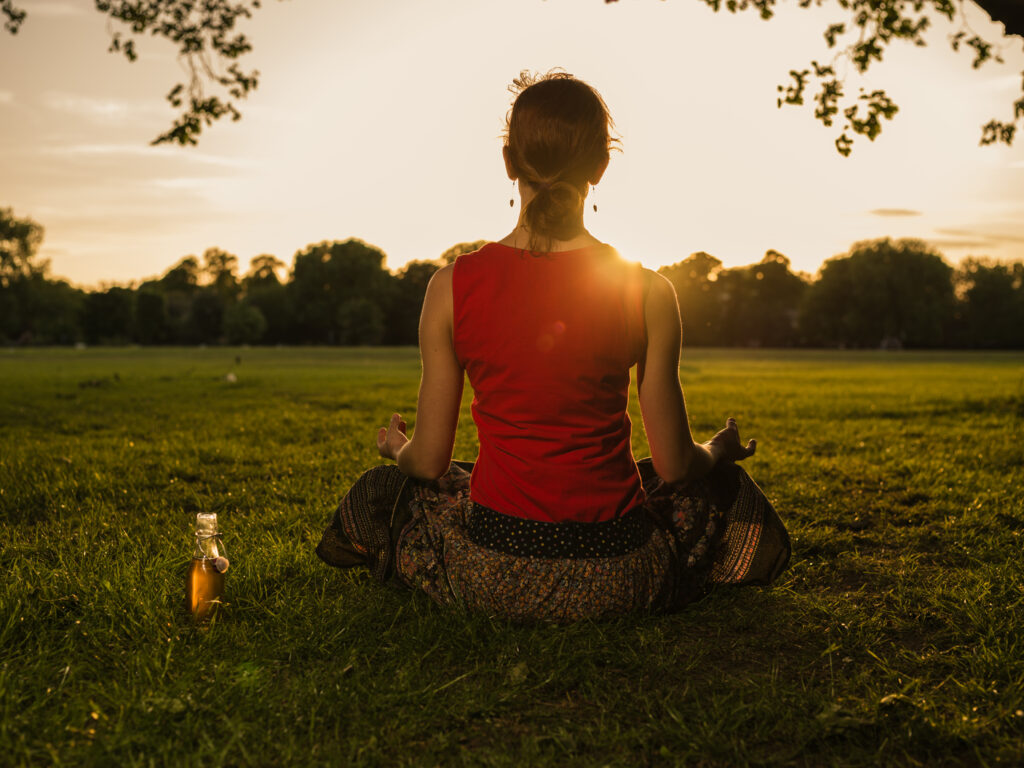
(205, 580)
(205, 587)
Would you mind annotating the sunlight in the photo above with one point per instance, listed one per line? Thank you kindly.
(387, 128)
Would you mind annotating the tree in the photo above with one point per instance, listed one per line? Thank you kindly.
(991, 304)
(411, 287)
(751, 306)
(179, 286)
(32, 307)
(244, 324)
(263, 271)
(183, 276)
(204, 323)
(53, 309)
(883, 293)
(460, 248)
(150, 320)
(210, 48)
(265, 292)
(19, 241)
(327, 275)
(108, 316)
(221, 269)
(759, 302)
(695, 281)
(360, 323)
(275, 304)
(35, 310)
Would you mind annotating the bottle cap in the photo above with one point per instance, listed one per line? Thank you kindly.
(221, 564)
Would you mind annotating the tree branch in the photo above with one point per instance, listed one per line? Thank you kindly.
(863, 37)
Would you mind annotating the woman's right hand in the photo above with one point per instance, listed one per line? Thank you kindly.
(392, 438)
(726, 444)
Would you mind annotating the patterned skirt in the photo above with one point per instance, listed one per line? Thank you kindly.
(657, 558)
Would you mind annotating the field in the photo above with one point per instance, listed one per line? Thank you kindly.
(896, 637)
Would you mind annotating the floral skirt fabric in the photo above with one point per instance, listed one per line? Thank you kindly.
(685, 539)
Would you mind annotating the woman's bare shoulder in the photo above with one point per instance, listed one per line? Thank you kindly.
(443, 277)
(657, 287)
(438, 299)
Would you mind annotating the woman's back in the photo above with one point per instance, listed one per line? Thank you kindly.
(547, 341)
(554, 524)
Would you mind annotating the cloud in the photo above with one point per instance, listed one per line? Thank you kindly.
(989, 238)
(975, 240)
(103, 110)
(47, 252)
(183, 182)
(213, 191)
(146, 151)
(954, 245)
(894, 212)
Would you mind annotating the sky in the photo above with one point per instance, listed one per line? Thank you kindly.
(382, 120)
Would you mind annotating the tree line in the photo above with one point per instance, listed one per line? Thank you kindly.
(882, 293)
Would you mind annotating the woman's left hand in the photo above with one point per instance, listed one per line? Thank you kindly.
(392, 438)
(727, 442)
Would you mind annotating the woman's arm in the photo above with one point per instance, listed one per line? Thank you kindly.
(675, 456)
(428, 454)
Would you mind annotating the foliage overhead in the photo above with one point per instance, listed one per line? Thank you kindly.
(210, 48)
(861, 37)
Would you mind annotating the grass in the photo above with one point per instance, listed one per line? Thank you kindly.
(896, 637)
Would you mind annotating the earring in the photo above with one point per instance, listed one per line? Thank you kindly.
(593, 192)
(512, 200)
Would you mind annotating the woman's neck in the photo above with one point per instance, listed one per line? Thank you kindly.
(520, 236)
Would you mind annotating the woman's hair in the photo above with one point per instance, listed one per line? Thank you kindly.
(558, 134)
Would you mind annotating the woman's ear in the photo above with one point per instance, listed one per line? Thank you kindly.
(596, 176)
(508, 163)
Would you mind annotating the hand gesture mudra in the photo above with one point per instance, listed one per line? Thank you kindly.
(391, 438)
(728, 442)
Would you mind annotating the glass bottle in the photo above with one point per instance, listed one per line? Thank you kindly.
(205, 584)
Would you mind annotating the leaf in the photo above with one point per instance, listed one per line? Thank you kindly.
(844, 144)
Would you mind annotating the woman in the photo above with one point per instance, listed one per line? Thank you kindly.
(557, 521)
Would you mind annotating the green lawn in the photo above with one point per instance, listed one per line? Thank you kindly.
(896, 637)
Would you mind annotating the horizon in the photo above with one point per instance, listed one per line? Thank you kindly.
(408, 159)
(285, 270)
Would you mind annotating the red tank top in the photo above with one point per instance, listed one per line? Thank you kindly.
(548, 341)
